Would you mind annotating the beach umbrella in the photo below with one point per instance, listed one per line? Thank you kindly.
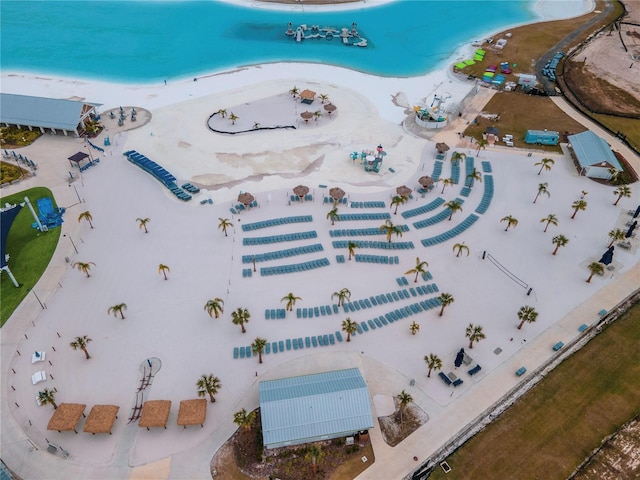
(637, 212)
(336, 193)
(403, 191)
(330, 108)
(492, 130)
(425, 181)
(246, 198)
(459, 358)
(306, 115)
(442, 147)
(607, 257)
(631, 229)
(301, 191)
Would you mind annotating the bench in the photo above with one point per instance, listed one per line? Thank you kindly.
(457, 382)
(602, 313)
(521, 371)
(474, 370)
(583, 327)
(558, 346)
(444, 378)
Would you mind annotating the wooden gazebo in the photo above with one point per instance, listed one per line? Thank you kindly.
(192, 412)
(307, 96)
(66, 417)
(101, 419)
(155, 413)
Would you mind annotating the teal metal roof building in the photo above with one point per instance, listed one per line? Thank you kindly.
(312, 408)
(594, 155)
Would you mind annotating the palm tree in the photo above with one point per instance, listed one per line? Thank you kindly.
(474, 333)
(291, 300)
(244, 419)
(390, 229)
(240, 317)
(294, 91)
(614, 175)
(551, 219)
(454, 206)
(511, 221)
(351, 247)
(446, 182)
(559, 241)
(333, 215)
(414, 328)
(461, 247)
(482, 145)
(233, 118)
(315, 455)
(208, 385)
(404, 399)
(163, 269)
(86, 216)
(446, 299)
(118, 309)
(578, 205)
(542, 188)
(433, 363)
(324, 97)
(47, 397)
(214, 307)
(222, 112)
(527, 314)
(596, 268)
(616, 235)
(142, 223)
(258, 347)
(474, 175)
(80, 343)
(546, 164)
(397, 201)
(84, 267)
(457, 157)
(349, 327)
(418, 269)
(224, 224)
(256, 125)
(344, 294)
(622, 191)
(317, 114)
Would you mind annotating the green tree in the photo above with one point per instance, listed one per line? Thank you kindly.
(47, 397)
(349, 327)
(474, 175)
(84, 267)
(291, 300)
(596, 268)
(314, 455)
(454, 206)
(118, 310)
(461, 247)
(578, 205)
(511, 222)
(421, 267)
(208, 385)
(559, 241)
(404, 399)
(474, 333)
(258, 346)
(324, 97)
(163, 269)
(616, 235)
(233, 117)
(224, 224)
(397, 201)
(546, 164)
(414, 328)
(351, 247)
(333, 215)
(87, 217)
(446, 182)
(244, 419)
(222, 112)
(344, 294)
(294, 91)
(542, 188)
(446, 299)
(550, 219)
(239, 317)
(526, 314)
(457, 157)
(482, 145)
(433, 363)
(214, 306)
(80, 343)
(390, 229)
(317, 115)
(142, 224)
(621, 191)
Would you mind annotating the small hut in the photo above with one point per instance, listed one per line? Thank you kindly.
(192, 412)
(426, 183)
(442, 148)
(66, 417)
(155, 413)
(330, 108)
(307, 96)
(336, 193)
(306, 116)
(301, 191)
(101, 419)
(403, 191)
(246, 199)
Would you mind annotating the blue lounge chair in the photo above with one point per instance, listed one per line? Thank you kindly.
(235, 352)
(444, 378)
(288, 344)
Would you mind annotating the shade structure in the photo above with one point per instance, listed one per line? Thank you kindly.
(425, 181)
(66, 417)
(155, 413)
(307, 96)
(336, 193)
(246, 198)
(301, 190)
(459, 358)
(492, 130)
(442, 147)
(101, 419)
(192, 412)
(631, 229)
(330, 108)
(78, 157)
(403, 191)
(306, 115)
(607, 257)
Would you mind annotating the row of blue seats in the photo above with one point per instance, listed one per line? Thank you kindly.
(340, 258)
(343, 217)
(457, 382)
(382, 259)
(391, 297)
(86, 166)
(402, 281)
(311, 312)
(465, 192)
(287, 237)
(190, 188)
(374, 244)
(455, 171)
(414, 212)
(368, 205)
(340, 201)
(290, 343)
(354, 232)
(297, 267)
(290, 252)
(296, 198)
(469, 172)
(437, 171)
(424, 191)
(487, 196)
(449, 234)
(149, 166)
(276, 222)
(246, 272)
(443, 215)
(275, 313)
(178, 192)
(486, 167)
(396, 315)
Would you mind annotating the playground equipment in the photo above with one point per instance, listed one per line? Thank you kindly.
(371, 160)
(434, 116)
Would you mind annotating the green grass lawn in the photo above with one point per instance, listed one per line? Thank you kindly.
(30, 251)
(557, 424)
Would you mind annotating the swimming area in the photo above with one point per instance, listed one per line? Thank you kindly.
(142, 42)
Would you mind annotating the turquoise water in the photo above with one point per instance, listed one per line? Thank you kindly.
(147, 41)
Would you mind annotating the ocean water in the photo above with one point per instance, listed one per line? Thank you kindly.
(148, 41)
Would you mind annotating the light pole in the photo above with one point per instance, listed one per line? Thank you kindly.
(77, 194)
(37, 298)
(71, 240)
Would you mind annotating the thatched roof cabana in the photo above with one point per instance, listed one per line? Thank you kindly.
(101, 419)
(155, 413)
(192, 412)
(403, 191)
(246, 198)
(66, 417)
(306, 115)
(307, 96)
(336, 193)
(301, 190)
(442, 147)
(425, 181)
(330, 108)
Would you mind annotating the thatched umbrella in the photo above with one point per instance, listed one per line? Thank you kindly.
(336, 193)
(442, 147)
(306, 115)
(246, 198)
(330, 108)
(301, 191)
(425, 181)
(403, 191)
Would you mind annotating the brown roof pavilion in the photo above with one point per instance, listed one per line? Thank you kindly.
(307, 96)
(336, 193)
(192, 412)
(403, 191)
(155, 413)
(101, 419)
(301, 190)
(66, 417)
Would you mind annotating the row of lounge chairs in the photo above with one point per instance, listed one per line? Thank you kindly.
(290, 252)
(178, 192)
(290, 344)
(382, 259)
(355, 232)
(276, 222)
(465, 192)
(151, 167)
(374, 244)
(437, 218)
(296, 198)
(414, 212)
(455, 172)
(487, 196)
(368, 205)
(297, 267)
(342, 201)
(246, 272)
(390, 297)
(287, 237)
(275, 313)
(437, 170)
(402, 281)
(206, 201)
(345, 217)
(469, 168)
(19, 158)
(190, 188)
(311, 312)
(449, 234)
(486, 167)
(90, 164)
